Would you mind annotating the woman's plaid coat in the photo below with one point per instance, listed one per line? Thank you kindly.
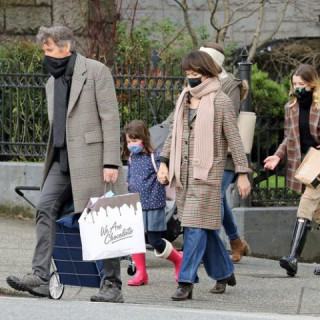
(199, 202)
(290, 146)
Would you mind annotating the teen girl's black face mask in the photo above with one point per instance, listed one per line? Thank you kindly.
(302, 93)
(193, 82)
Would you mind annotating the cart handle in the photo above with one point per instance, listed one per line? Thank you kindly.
(19, 188)
(21, 194)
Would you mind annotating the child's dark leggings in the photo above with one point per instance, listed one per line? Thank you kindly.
(155, 239)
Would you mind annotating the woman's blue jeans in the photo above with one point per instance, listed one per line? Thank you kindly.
(204, 245)
(227, 218)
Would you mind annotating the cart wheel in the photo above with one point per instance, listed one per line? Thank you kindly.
(131, 269)
(56, 289)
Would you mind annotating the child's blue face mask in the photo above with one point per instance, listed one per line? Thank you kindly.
(135, 148)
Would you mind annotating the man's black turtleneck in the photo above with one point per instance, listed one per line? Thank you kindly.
(306, 139)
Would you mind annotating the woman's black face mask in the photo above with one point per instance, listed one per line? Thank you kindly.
(193, 82)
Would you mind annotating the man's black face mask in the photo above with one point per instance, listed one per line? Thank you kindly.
(55, 66)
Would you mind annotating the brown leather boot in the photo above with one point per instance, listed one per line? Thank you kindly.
(183, 292)
(220, 286)
(239, 248)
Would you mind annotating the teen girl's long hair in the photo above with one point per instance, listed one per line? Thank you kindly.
(308, 74)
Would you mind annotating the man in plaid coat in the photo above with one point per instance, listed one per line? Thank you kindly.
(83, 153)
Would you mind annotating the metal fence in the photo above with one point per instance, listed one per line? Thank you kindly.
(269, 187)
(23, 115)
(147, 93)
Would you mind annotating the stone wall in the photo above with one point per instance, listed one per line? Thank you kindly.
(23, 17)
(268, 231)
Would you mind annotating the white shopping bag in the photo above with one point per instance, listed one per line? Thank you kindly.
(112, 227)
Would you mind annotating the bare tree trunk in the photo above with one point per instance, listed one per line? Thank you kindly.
(230, 19)
(276, 29)
(223, 32)
(133, 19)
(257, 33)
(185, 9)
(103, 18)
(213, 21)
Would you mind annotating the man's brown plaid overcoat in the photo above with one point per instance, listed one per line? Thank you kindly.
(92, 130)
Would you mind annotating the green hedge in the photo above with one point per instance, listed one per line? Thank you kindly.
(268, 99)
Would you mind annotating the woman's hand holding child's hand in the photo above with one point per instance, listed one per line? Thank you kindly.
(163, 173)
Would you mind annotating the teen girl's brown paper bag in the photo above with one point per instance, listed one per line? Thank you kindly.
(309, 170)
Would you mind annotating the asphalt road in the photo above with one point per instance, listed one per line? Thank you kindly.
(39, 309)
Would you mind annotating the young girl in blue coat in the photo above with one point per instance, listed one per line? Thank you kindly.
(142, 178)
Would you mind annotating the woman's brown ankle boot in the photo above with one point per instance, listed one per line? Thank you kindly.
(183, 292)
(239, 248)
(220, 286)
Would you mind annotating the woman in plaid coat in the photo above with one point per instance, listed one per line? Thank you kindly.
(302, 131)
(196, 150)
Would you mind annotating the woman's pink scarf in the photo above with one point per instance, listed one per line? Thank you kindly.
(203, 134)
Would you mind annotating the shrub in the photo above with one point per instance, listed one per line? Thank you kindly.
(170, 39)
(23, 116)
(268, 96)
(268, 100)
(21, 50)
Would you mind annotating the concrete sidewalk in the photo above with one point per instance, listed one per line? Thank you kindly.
(263, 290)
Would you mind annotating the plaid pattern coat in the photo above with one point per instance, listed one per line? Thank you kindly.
(199, 202)
(92, 130)
(230, 86)
(290, 146)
